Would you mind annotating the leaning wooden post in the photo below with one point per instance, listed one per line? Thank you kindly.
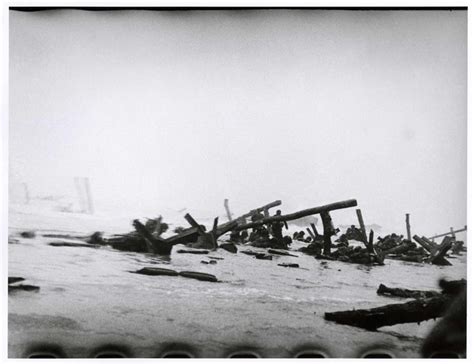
(227, 210)
(311, 234)
(328, 231)
(315, 231)
(407, 221)
(362, 225)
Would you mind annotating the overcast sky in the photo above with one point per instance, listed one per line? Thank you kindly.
(184, 109)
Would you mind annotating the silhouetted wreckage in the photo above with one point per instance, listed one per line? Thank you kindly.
(259, 228)
(426, 305)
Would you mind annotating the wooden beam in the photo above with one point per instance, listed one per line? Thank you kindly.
(328, 231)
(450, 233)
(362, 225)
(433, 245)
(424, 244)
(299, 214)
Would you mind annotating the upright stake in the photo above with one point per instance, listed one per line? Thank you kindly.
(452, 233)
(362, 225)
(328, 231)
(227, 210)
(407, 221)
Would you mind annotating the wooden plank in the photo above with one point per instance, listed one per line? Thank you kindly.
(315, 231)
(299, 214)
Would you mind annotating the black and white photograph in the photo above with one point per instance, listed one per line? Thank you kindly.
(236, 182)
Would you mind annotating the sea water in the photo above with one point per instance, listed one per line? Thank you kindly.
(89, 297)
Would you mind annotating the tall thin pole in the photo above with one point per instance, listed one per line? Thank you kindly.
(407, 221)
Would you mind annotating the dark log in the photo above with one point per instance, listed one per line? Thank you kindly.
(199, 276)
(23, 287)
(186, 251)
(423, 243)
(230, 247)
(311, 234)
(152, 271)
(405, 293)
(362, 226)
(370, 245)
(279, 252)
(263, 256)
(289, 265)
(194, 224)
(250, 252)
(78, 245)
(432, 244)
(328, 231)
(402, 248)
(299, 214)
(412, 311)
